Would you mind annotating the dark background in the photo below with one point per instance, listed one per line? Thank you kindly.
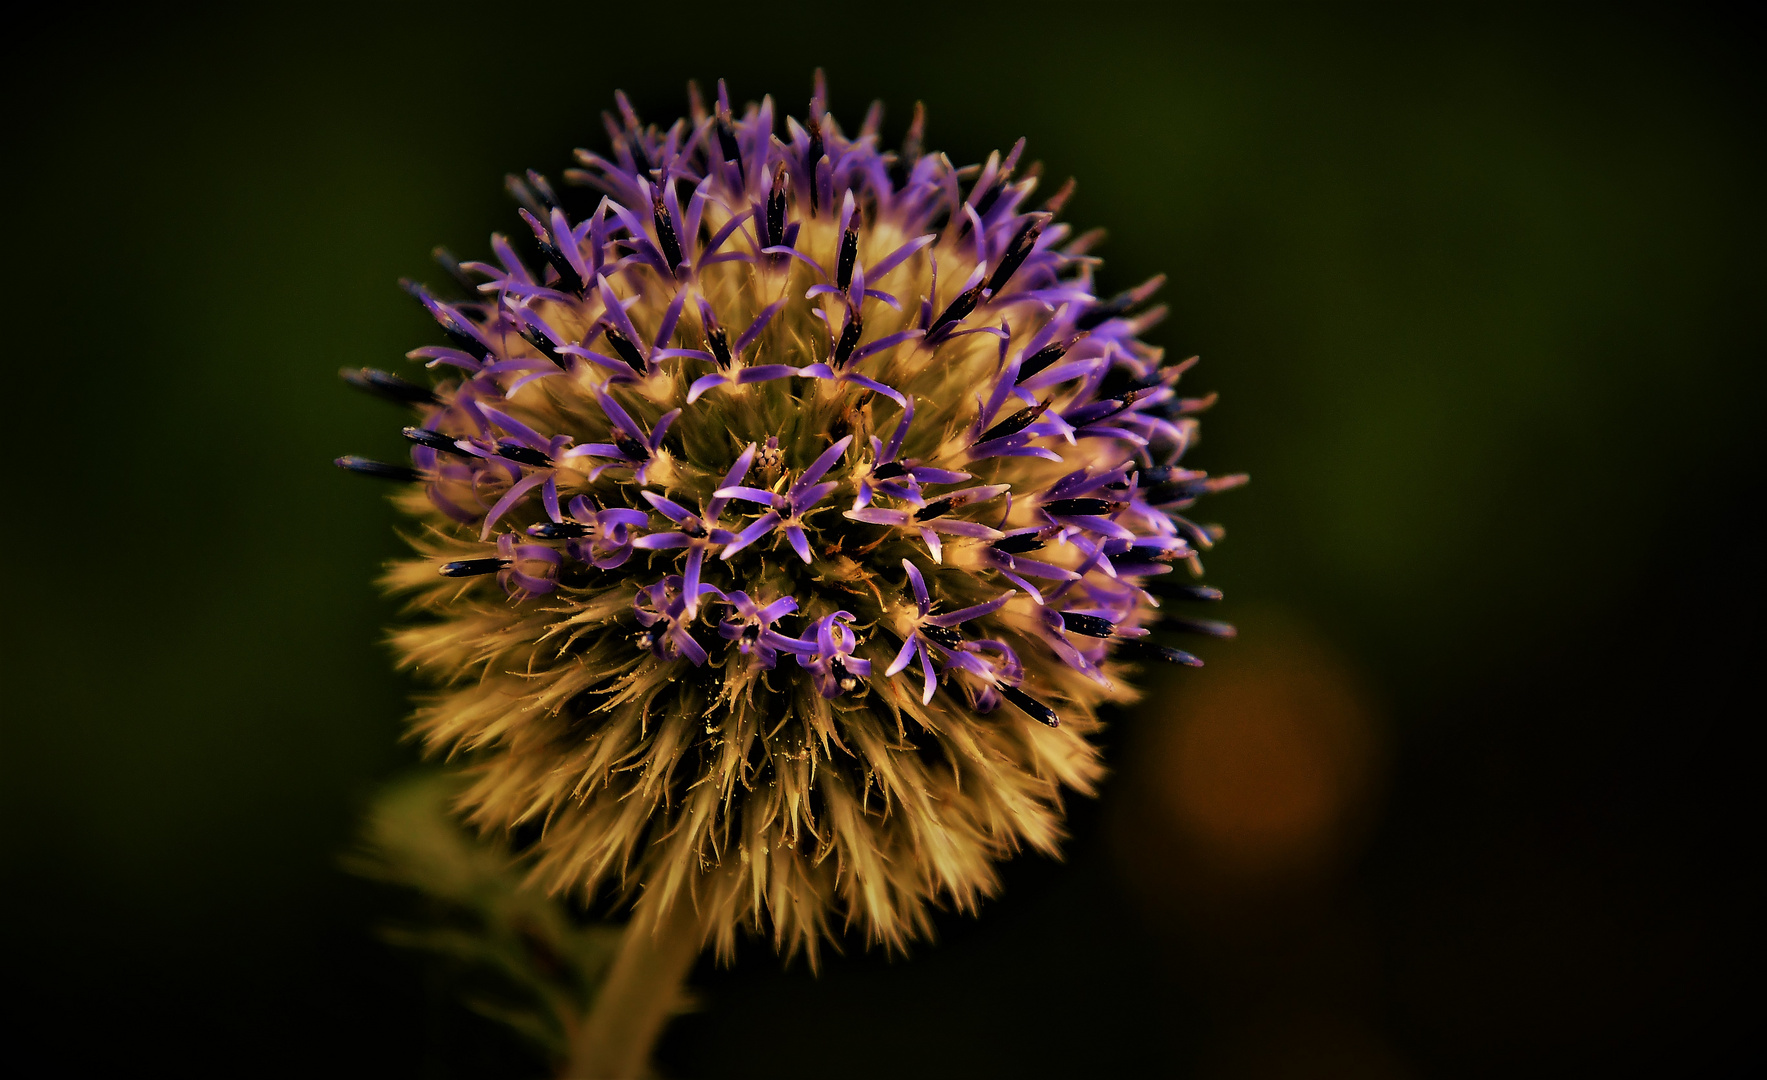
(1483, 299)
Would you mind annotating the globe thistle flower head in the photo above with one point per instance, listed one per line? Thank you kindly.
(785, 520)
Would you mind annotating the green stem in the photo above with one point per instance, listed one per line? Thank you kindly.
(641, 989)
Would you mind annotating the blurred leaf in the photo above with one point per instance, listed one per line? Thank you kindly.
(525, 960)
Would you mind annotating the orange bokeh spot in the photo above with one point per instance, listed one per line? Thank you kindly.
(1269, 751)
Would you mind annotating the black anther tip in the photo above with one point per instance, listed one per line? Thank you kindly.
(388, 387)
(1015, 423)
(1080, 507)
(627, 350)
(379, 470)
(1030, 706)
(1089, 625)
(472, 567)
(559, 530)
(435, 440)
(527, 455)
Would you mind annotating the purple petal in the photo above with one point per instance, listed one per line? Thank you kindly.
(963, 615)
(933, 547)
(686, 354)
(522, 432)
(549, 499)
(619, 417)
(705, 383)
(674, 511)
(747, 494)
(785, 605)
(509, 499)
(883, 343)
(957, 527)
(894, 446)
(764, 373)
(822, 464)
(799, 542)
(872, 384)
(690, 578)
(662, 428)
(905, 656)
(724, 233)
(761, 527)
(754, 331)
(877, 515)
(801, 501)
(616, 312)
(926, 474)
(921, 599)
(932, 679)
(896, 257)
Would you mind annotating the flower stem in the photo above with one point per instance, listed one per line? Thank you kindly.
(641, 989)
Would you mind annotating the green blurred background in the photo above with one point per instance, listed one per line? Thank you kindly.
(1483, 299)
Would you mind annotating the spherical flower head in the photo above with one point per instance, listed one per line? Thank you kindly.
(785, 520)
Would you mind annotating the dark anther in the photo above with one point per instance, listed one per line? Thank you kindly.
(776, 208)
(527, 455)
(1018, 545)
(933, 509)
(568, 277)
(536, 337)
(446, 260)
(435, 440)
(1090, 625)
(992, 195)
(889, 470)
(628, 351)
(1015, 423)
(958, 311)
(543, 189)
(1124, 400)
(559, 530)
(1105, 312)
(1087, 507)
(1030, 706)
(727, 139)
(849, 254)
(1181, 491)
(1016, 253)
(665, 234)
(1207, 627)
(944, 635)
(1151, 651)
(380, 470)
(843, 678)
(632, 448)
(1039, 360)
(843, 348)
(384, 384)
(1157, 475)
(464, 341)
(473, 567)
(752, 632)
(718, 343)
(640, 160)
(1193, 592)
(812, 158)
